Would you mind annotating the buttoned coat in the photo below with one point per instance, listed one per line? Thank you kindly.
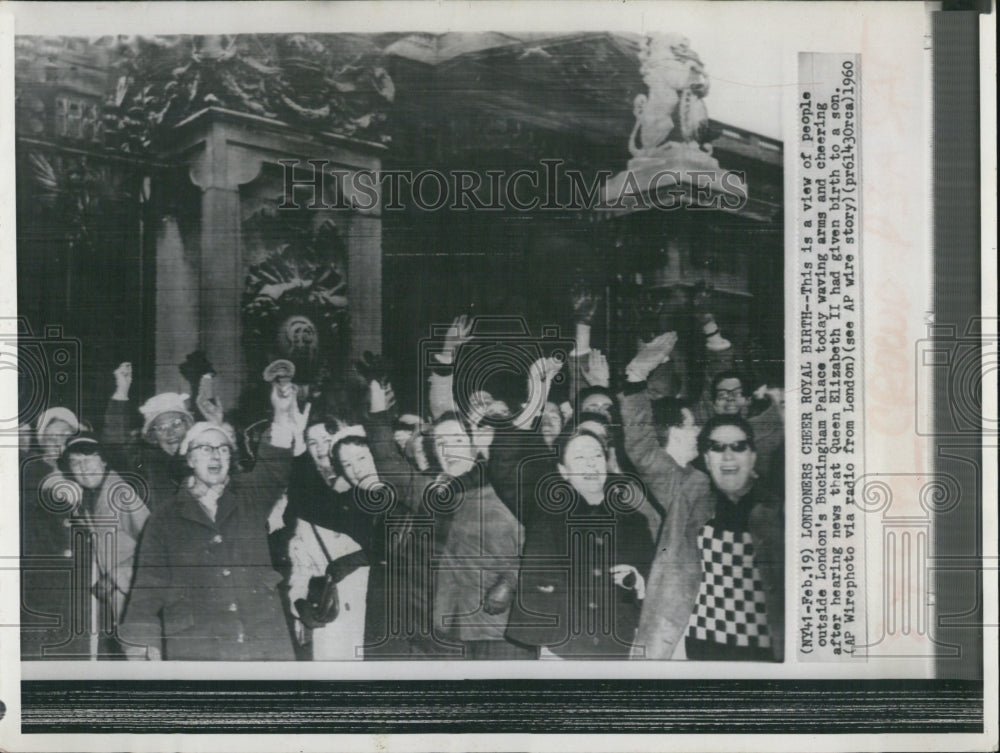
(206, 589)
(567, 599)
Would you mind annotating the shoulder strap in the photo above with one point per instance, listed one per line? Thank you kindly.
(321, 544)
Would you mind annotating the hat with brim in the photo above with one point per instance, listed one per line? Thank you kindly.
(57, 414)
(85, 444)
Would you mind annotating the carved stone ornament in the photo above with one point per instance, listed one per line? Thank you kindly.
(674, 110)
(671, 131)
(295, 301)
(323, 82)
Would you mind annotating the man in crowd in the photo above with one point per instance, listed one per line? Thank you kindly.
(719, 562)
(661, 448)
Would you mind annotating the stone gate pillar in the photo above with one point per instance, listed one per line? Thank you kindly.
(235, 159)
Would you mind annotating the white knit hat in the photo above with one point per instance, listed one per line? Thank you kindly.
(165, 402)
(202, 428)
(56, 414)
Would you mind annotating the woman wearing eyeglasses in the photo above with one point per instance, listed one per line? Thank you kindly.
(715, 590)
(154, 458)
(205, 588)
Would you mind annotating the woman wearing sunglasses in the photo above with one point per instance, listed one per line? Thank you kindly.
(719, 563)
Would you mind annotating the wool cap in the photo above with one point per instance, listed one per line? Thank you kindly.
(165, 402)
(202, 428)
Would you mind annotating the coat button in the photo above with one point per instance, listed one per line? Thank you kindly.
(599, 542)
(233, 607)
(240, 638)
(67, 522)
(217, 539)
(592, 605)
(67, 552)
(226, 572)
(597, 572)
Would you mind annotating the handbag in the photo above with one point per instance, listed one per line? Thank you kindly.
(322, 603)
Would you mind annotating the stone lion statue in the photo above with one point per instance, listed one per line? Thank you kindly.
(674, 110)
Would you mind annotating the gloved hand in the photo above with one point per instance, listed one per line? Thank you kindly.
(584, 303)
(104, 589)
(651, 355)
(499, 598)
(597, 373)
(373, 367)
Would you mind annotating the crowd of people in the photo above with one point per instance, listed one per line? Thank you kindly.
(564, 519)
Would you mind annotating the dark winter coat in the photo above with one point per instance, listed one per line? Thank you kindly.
(478, 543)
(518, 461)
(159, 474)
(206, 590)
(567, 599)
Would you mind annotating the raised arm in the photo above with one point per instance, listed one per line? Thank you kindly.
(540, 377)
(441, 397)
(115, 433)
(269, 476)
(378, 426)
(641, 444)
(584, 307)
(393, 469)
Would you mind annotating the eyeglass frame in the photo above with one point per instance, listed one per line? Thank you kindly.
(206, 450)
(172, 425)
